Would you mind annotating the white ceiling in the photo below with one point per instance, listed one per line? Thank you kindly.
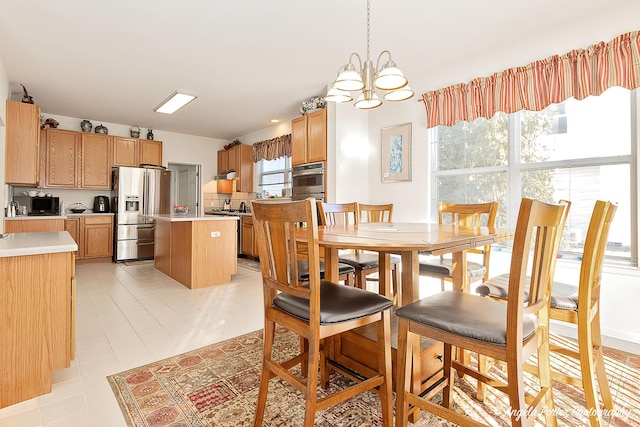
(251, 61)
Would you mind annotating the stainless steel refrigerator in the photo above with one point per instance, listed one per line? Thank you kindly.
(138, 192)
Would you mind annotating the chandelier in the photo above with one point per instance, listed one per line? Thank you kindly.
(366, 78)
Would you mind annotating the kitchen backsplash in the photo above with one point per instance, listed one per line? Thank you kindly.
(68, 196)
(216, 200)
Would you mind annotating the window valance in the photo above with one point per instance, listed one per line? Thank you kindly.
(577, 74)
(273, 148)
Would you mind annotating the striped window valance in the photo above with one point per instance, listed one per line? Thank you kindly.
(577, 74)
(272, 149)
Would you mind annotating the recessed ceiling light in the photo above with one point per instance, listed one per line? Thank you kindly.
(176, 101)
(275, 121)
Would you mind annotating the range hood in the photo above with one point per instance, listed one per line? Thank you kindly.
(228, 175)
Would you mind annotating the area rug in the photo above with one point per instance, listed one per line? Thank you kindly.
(217, 386)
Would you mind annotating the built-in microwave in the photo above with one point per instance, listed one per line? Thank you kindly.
(308, 179)
(40, 205)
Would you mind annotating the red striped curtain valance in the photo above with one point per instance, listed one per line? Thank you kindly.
(272, 149)
(577, 74)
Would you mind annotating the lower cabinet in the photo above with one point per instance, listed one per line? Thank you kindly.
(93, 234)
(249, 244)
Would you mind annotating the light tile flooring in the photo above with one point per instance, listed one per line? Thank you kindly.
(131, 315)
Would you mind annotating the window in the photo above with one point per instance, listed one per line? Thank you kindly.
(274, 176)
(578, 150)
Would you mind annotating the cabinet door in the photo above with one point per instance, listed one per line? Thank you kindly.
(95, 161)
(22, 143)
(72, 225)
(125, 151)
(33, 225)
(247, 237)
(317, 136)
(245, 169)
(98, 236)
(150, 152)
(61, 158)
(299, 140)
(223, 161)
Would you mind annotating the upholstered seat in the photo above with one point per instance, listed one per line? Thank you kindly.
(444, 267)
(303, 270)
(365, 260)
(337, 303)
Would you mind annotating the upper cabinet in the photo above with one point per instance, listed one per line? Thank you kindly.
(60, 149)
(309, 138)
(95, 161)
(135, 152)
(22, 164)
(238, 159)
(150, 152)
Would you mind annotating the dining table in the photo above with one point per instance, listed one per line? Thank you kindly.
(408, 240)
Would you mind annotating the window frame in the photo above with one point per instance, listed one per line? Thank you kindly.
(515, 167)
(287, 173)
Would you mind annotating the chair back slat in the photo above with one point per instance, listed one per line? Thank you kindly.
(468, 214)
(538, 231)
(338, 213)
(593, 255)
(276, 226)
(375, 213)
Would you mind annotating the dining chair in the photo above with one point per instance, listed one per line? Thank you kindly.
(509, 332)
(467, 215)
(579, 305)
(315, 310)
(365, 263)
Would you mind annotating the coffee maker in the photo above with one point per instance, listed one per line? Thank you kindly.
(101, 204)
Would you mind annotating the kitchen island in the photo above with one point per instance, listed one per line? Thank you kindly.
(197, 251)
(37, 312)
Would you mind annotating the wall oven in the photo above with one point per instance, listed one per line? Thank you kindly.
(308, 181)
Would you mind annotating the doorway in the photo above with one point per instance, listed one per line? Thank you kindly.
(185, 186)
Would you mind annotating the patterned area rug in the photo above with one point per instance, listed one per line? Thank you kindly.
(217, 386)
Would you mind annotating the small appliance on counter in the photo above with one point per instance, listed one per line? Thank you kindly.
(101, 204)
(39, 205)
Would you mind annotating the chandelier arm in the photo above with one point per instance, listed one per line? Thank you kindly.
(359, 60)
(378, 68)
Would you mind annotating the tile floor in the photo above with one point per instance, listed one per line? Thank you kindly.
(128, 316)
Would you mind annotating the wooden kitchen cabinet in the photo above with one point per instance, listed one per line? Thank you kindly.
(22, 144)
(249, 246)
(309, 138)
(238, 159)
(134, 152)
(150, 152)
(33, 225)
(98, 236)
(93, 234)
(125, 151)
(95, 161)
(61, 158)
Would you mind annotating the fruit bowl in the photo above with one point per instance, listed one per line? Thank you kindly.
(180, 210)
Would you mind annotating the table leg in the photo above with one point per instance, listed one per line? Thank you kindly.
(331, 273)
(410, 278)
(384, 274)
(459, 273)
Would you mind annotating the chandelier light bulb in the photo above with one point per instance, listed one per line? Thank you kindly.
(390, 78)
(349, 79)
(367, 103)
(336, 95)
(399, 94)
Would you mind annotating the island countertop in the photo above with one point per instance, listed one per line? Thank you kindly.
(178, 218)
(20, 244)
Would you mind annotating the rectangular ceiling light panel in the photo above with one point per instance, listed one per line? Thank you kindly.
(173, 103)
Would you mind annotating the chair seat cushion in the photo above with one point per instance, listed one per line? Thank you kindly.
(563, 295)
(437, 267)
(466, 315)
(364, 261)
(303, 270)
(338, 303)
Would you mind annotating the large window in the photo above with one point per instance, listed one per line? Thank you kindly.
(578, 150)
(274, 177)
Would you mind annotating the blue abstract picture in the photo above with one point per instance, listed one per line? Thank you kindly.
(395, 154)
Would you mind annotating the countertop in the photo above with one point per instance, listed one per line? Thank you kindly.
(175, 218)
(20, 244)
(227, 213)
(72, 215)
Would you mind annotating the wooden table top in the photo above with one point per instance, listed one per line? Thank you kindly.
(409, 236)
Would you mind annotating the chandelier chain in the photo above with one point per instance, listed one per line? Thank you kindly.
(368, 28)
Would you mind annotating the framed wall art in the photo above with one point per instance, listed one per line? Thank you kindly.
(396, 153)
